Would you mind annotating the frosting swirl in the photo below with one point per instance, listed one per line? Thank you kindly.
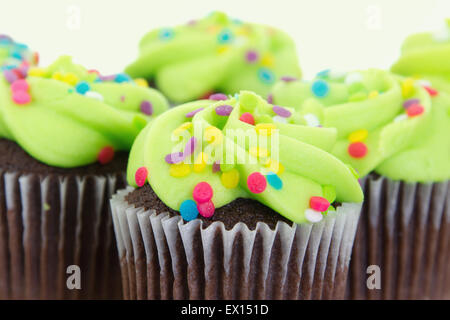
(205, 154)
(66, 116)
(215, 53)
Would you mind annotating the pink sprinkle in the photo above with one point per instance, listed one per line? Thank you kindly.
(319, 204)
(247, 118)
(432, 92)
(256, 182)
(122, 98)
(21, 97)
(410, 102)
(218, 97)
(190, 147)
(141, 176)
(10, 76)
(224, 110)
(216, 167)
(252, 56)
(270, 98)
(173, 158)
(282, 112)
(288, 79)
(147, 107)
(193, 113)
(106, 155)
(206, 209)
(20, 85)
(202, 192)
(415, 110)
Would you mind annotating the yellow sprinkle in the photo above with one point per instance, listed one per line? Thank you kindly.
(183, 127)
(267, 60)
(37, 72)
(179, 170)
(259, 152)
(70, 78)
(358, 135)
(230, 179)
(265, 129)
(275, 166)
(373, 94)
(213, 135)
(141, 82)
(57, 76)
(200, 162)
(223, 49)
(408, 87)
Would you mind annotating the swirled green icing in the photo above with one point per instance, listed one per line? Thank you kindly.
(295, 156)
(64, 128)
(216, 53)
(368, 107)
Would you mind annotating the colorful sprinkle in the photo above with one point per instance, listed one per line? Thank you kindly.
(166, 34)
(224, 110)
(141, 82)
(311, 120)
(213, 135)
(247, 118)
(121, 77)
(190, 147)
(373, 94)
(216, 166)
(174, 158)
(252, 56)
(94, 95)
(319, 204)
(141, 176)
(185, 126)
(188, 210)
(20, 85)
(408, 87)
(410, 102)
(193, 113)
(274, 181)
(266, 76)
(82, 87)
(270, 98)
(265, 129)
(432, 92)
(288, 79)
(206, 209)
(225, 36)
(218, 97)
(357, 150)
(320, 88)
(147, 107)
(282, 112)
(202, 192)
(256, 182)
(230, 179)
(329, 193)
(200, 162)
(358, 135)
(21, 97)
(267, 60)
(313, 215)
(106, 155)
(70, 78)
(179, 170)
(274, 166)
(415, 110)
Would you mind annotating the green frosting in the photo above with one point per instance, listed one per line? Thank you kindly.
(216, 54)
(72, 114)
(372, 108)
(292, 159)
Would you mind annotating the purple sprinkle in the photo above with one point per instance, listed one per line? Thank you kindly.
(10, 76)
(270, 98)
(216, 166)
(252, 56)
(146, 107)
(6, 37)
(282, 112)
(122, 98)
(108, 78)
(190, 147)
(288, 79)
(224, 110)
(218, 97)
(193, 113)
(173, 158)
(410, 102)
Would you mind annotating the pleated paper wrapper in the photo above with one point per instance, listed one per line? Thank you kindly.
(163, 257)
(405, 231)
(48, 224)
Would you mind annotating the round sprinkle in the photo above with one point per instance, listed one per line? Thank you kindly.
(173, 158)
(247, 118)
(20, 85)
(166, 34)
(147, 107)
(274, 166)
(106, 155)
(311, 120)
(282, 112)
(274, 180)
(190, 146)
(10, 76)
(82, 87)
(202, 192)
(200, 162)
(121, 77)
(266, 76)
(320, 88)
(319, 204)
(224, 110)
(265, 129)
(70, 78)
(213, 135)
(358, 135)
(329, 193)
(225, 36)
(410, 102)
(216, 166)
(407, 87)
(141, 176)
(188, 210)
(313, 215)
(256, 182)
(270, 98)
(252, 56)
(357, 150)
(230, 179)
(122, 98)
(193, 113)
(415, 110)
(94, 95)
(206, 209)
(141, 82)
(432, 92)
(180, 170)
(218, 97)
(21, 97)
(288, 79)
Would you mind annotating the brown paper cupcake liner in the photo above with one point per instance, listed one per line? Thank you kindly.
(404, 230)
(50, 223)
(163, 257)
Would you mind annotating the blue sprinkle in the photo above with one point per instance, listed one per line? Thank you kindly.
(188, 210)
(82, 87)
(121, 77)
(266, 76)
(274, 180)
(323, 73)
(21, 46)
(166, 34)
(320, 88)
(16, 55)
(225, 36)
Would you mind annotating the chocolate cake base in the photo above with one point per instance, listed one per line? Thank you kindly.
(52, 218)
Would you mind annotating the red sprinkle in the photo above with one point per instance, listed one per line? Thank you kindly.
(415, 110)
(431, 91)
(256, 182)
(141, 176)
(247, 118)
(206, 209)
(202, 192)
(106, 155)
(357, 149)
(319, 204)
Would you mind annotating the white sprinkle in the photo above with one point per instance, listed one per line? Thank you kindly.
(401, 117)
(94, 95)
(279, 119)
(353, 77)
(311, 120)
(313, 215)
(423, 83)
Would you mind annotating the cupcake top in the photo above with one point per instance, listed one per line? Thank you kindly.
(205, 154)
(394, 126)
(215, 54)
(15, 58)
(66, 116)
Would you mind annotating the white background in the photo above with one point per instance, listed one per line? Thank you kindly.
(104, 34)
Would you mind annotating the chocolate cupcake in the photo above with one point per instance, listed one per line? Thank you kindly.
(395, 132)
(215, 54)
(65, 133)
(233, 199)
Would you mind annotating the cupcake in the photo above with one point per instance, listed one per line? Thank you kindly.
(395, 132)
(65, 133)
(234, 199)
(215, 54)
